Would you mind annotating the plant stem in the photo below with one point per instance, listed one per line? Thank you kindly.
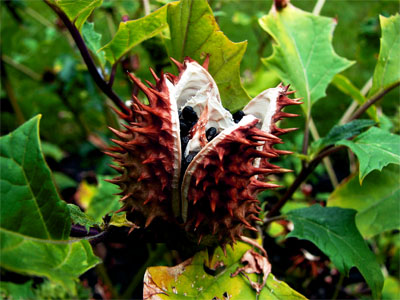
(350, 110)
(98, 79)
(306, 135)
(10, 94)
(102, 273)
(327, 162)
(318, 7)
(338, 287)
(363, 108)
(304, 173)
(23, 69)
(137, 279)
(146, 7)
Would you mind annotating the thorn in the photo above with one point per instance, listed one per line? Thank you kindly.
(123, 208)
(200, 238)
(120, 134)
(178, 64)
(206, 61)
(149, 220)
(116, 168)
(113, 155)
(154, 75)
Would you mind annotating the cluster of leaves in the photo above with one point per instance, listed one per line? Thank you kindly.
(36, 223)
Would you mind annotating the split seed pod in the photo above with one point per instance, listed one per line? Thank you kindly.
(184, 156)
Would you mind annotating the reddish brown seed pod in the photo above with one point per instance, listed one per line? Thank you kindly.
(183, 156)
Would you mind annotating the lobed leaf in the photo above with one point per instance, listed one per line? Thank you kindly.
(189, 280)
(375, 149)
(80, 218)
(61, 261)
(92, 40)
(333, 230)
(195, 33)
(35, 223)
(29, 201)
(303, 54)
(132, 33)
(341, 132)
(376, 201)
(387, 71)
(77, 10)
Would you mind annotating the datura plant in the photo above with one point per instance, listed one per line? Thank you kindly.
(184, 158)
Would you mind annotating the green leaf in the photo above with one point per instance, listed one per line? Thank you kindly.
(132, 33)
(79, 217)
(35, 222)
(347, 87)
(387, 71)
(99, 200)
(391, 288)
(29, 201)
(53, 151)
(303, 54)
(376, 201)
(341, 132)
(93, 41)
(61, 261)
(333, 230)
(13, 291)
(63, 181)
(195, 33)
(375, 149)
(190, 281)
(78, 10)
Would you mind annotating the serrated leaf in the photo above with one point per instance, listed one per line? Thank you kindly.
(30, 204)
(333, 230)
(387, 71)
(93, 41)
(303, 54)
(341, 132)
(132, 33)
(80, 218)
(195, 33)
(346, 86)
(375, 149)
(376, 201)
(78, 10)
(35, 222)
(61, 261)
(188, 280)
(99, 200)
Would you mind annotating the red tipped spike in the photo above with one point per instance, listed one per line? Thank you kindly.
(149, 219)
(178, 64)
(206, 61)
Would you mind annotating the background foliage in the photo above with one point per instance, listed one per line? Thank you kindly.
(43, 73)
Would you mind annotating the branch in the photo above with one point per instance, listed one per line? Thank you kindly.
(98, 79)
(363, 108)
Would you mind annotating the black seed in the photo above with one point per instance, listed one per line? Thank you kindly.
(184, 128)
(211, 133)
(189, 114)
(187, 160)
(237, 116)
(184, 142)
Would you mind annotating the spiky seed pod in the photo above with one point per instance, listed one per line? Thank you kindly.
(184, 153)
